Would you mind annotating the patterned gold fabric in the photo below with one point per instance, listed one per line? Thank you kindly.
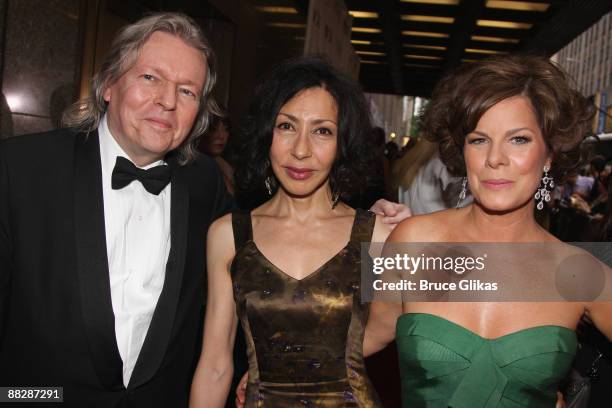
(304, 337)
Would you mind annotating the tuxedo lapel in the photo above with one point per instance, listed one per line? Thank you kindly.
(160, 330)
(92, 262)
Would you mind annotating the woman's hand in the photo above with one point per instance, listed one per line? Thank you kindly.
(241, 391)
(392, 213)
(560, 401)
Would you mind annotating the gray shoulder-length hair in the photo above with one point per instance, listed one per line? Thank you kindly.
(85, 114)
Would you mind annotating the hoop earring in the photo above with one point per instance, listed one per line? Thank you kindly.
(463, 192)
(543, 194)
(268, 183)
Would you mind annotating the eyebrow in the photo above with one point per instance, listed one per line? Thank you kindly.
(316, 121)
(509, 132)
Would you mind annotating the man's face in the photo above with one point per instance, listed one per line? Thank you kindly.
(153, 106)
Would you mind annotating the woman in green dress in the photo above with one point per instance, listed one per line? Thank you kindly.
(507, 125)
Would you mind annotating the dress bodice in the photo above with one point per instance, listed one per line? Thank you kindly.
(304, 337)
(446, 365)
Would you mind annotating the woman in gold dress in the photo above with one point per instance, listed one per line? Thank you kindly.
(290, 269)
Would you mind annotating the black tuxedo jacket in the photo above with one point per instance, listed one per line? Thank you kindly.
(56, 319)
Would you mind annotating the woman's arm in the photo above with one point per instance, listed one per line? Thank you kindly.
(387, 308)
(380, 329)
(213, 375)
(600, 314)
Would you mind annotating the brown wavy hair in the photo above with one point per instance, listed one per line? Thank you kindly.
(461, 98)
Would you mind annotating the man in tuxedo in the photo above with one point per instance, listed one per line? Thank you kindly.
(102, 229)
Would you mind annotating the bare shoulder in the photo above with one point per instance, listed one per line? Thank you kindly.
(550, 238)
(221, 226)
(381, 230)
(432, 227)
(221, 236)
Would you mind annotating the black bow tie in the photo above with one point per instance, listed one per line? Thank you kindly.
(153, 180)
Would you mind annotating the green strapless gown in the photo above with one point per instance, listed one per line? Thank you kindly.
(444, 365)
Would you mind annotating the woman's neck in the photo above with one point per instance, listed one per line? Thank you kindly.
(509, 226)
(303, 208)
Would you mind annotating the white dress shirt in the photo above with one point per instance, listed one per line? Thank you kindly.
(137, 227)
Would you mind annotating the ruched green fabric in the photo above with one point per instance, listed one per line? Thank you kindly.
(445, 365)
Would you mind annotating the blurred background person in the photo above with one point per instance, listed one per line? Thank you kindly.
(214, 142)
(426, 184)
(579, 204)
(379, 187)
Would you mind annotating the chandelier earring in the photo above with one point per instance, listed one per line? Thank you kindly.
(543, 193)
(463, 192)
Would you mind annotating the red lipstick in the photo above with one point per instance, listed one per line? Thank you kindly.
(297, 173)
(497, 184)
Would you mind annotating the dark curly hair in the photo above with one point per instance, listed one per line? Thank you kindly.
(460, 99)
(353, 168)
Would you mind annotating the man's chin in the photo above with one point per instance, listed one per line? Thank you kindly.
(160, 144)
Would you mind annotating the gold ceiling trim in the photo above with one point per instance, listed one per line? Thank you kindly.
(518, 5)
(426, 47)
(366, 30)
(423, 57)
(481, 51)
(428, 19)
(486, 38)
(425, 34)
(363, 14)
(374, 53)
(504, 24)
(286, 25)
(277, 10)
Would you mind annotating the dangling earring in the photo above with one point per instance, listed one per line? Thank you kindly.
(335, 198)
(543, 194)
(463, 192)
(268, 183)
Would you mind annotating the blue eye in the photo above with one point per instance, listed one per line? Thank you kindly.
(188, 92)
(476, 140)
(520, 139)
